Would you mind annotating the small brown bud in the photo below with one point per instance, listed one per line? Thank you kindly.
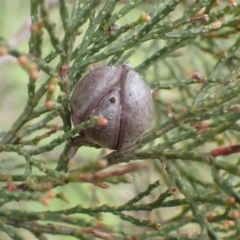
(48, 186)
(102, 163)
(217, 24)
(145, 17)
(228, 224)
(3, 51)
(41, 24)
(45, 201)
(10, 185)
(51, 87)
(232, 4)
(102, 121)
(49, 104)
(211, 216)
(173, 190)
(198, 76)
(50, 194)
(34, 28)
(32, 53)
(31, 66)
(33, 75)
(231, 201)
(235, 214)
(23, 60)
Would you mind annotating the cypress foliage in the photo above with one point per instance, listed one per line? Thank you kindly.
(180, 181)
